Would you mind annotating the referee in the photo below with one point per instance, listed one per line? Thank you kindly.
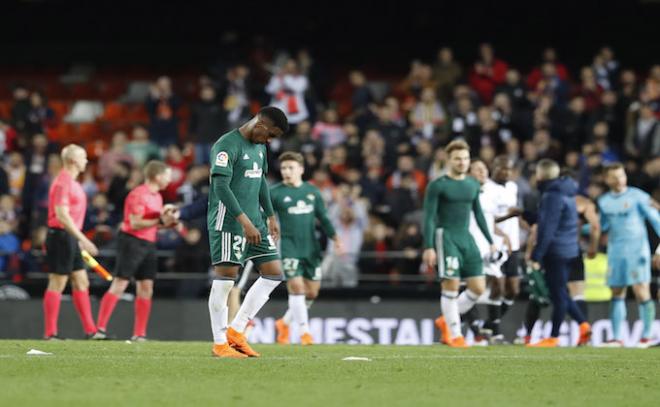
(67, 204)
(136, 248)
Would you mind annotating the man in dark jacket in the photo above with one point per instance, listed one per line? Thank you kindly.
(208, 120)
(557, 246)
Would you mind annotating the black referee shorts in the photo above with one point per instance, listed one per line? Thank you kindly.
(62, 252)
(136, 258)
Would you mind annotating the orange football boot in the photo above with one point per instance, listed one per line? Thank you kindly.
(282, 332)
(445, 333)
(237, 341)
(585, 334)
(545, 343)
(226, 351)
(458, 342)
(306, 339)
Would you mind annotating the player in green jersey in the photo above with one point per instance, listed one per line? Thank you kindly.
(298, 206)
(237, 228)
(448, 243)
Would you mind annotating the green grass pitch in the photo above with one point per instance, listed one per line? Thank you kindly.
(184, 374)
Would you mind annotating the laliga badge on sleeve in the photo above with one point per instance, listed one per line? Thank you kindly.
(222, 159)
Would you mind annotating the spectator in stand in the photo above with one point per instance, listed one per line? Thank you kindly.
(487, 73)
(424, 156)
(628, 88)
(428, 116)
(162, 105)
(321, 179)
(371, 182)
(419, 77)
(100, 220)
(110, 158)
(643, 136)
(8, 213)
(406, 169)
(16, 173)
(360, 99)
(140, 148)
(465, 123)
(328, 131)
(515, 89)
(606, 68)
(438, 166)
(377, 242)
(287, 88)
(549, 56)
(373, 144)
(302, 141)
(208, 121)
(611, 113)
(601, 144)
(236, 96)
(9, 244)
(572, 126)
(119, 186)
(7, 138)
(178, 161)
(545, 145)
(409, 241)
(20, 110)
(446, 73)
(392, 132)
(40, 117)
(589, 89)
(551, 84)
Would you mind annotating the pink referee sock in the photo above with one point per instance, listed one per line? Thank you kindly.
(108, 303)
(142, 310)
(51, 304)
(84, 309)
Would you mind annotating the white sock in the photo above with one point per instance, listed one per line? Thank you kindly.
(309, 303)
(449, 305)
(288, 316)
(299, 310)
(466, 301)
(255, 298)
(218, 309)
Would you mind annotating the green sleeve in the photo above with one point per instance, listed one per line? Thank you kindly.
(430, 213)
(321, 214)
(481, 220)
(264, 198)
(227, 197)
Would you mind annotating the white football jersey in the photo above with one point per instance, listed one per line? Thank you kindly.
(506, 198)
(488, 201)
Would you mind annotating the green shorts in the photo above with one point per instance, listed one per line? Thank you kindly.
(305, 268)
(227, 247)
(458, 255)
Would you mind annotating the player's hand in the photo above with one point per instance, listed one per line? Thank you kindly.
(493, 249)
(339, 247)
(251, 233)
(513, 211)
(274, 228)
(535, 265)
(430, 258)
(90, 247)
(591, 252)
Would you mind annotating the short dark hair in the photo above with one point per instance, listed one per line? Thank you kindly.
(613, 166)
(292, 156)
(276, 116)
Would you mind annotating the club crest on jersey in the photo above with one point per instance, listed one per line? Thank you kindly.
(222, 159)
(301, 208)
(255, 172)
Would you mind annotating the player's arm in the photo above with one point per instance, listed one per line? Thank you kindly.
(431, 198)
(604, 222)
(61, 204)
(511, 213)
(481, 220)
(136, 217)
(507, 242)
(649, 212)
(548, 220)
(267, 205)
(594, 229)
(321, 213)
(531, 242)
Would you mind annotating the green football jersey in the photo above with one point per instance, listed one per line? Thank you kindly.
(245, 163)
(447, 205)
(298, 208)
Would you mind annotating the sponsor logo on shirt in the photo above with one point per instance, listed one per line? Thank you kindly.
(222, 159)
(301, 208)
(255, 172)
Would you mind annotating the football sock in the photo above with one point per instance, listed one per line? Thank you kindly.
(51, 305)
(142, 311)
(299, 310)
(466, 301)
(218, 309)
(647, 315)
(582, 304)
(531, 315)
(617, 316)
(309, 303)
(108, 303)
(255, 298)
(449, 305)
(506, 305)
(84, 310)
(288, 316)
(494, 315)
(471, 318)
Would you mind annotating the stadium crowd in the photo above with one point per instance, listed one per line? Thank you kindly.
(371, 144)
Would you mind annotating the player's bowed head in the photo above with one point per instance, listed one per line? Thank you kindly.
(268, 124)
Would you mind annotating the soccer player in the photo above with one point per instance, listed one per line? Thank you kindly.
(557, 247)
(492, 263)
(237, 230)
(298, 206)
(623, 211)
(505, 288)
(448, 202)
(136, 249)
(67, 204)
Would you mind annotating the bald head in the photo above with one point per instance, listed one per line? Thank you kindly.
(74, 157)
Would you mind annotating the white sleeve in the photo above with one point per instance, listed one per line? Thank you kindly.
(274, 85)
